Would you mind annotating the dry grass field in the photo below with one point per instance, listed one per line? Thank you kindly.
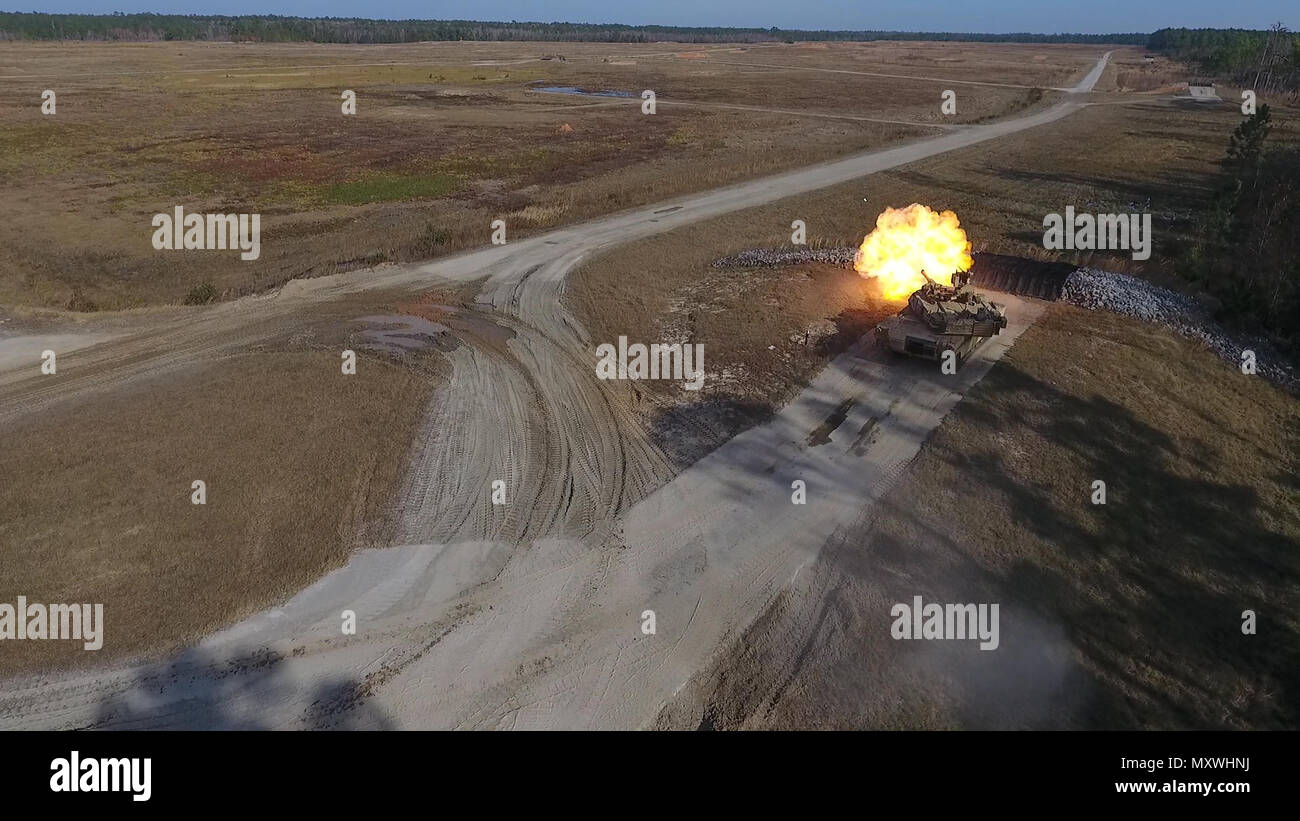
(1123, 615)
(299, 461)
(1107, 611)
(447, 137)
(1130, 71)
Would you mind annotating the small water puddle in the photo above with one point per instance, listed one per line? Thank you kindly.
(582, 92)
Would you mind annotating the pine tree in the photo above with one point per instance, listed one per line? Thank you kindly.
(1246, 145)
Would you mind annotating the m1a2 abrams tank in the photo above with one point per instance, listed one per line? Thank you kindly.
(942, 318)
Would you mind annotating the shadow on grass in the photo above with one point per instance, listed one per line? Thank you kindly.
(1123, 615)
(1151, 586)
(1180, 188)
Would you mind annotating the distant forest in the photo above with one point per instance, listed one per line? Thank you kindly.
(271, 29)
(1261, 60)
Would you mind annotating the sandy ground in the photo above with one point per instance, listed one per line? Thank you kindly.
(529, 614)
(22, 351)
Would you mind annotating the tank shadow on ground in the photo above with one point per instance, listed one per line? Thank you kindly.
(1161, 573)
(198, 690)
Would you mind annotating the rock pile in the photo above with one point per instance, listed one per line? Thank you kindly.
(1102, 290)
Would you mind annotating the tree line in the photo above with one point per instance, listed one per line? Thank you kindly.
(1266, 61)
(275, 29)
(1247, 254)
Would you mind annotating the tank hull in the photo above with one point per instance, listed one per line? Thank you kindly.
(904, 334)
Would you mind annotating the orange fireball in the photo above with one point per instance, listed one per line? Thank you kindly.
(907, 241)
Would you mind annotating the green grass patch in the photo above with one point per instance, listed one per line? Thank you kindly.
(390, 188)
(43, 149)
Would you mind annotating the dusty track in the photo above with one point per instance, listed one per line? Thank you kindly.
(528, 614)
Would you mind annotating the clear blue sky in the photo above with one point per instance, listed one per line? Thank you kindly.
(1044, 16)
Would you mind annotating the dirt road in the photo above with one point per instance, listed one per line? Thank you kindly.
(529, 614)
